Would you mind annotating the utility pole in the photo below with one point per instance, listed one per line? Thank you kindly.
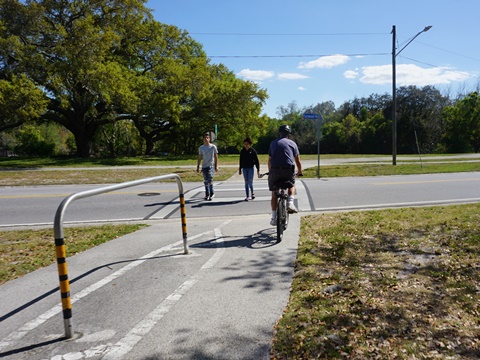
(394, 87)
(394, 97)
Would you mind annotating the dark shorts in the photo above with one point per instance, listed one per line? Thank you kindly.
(284, 176)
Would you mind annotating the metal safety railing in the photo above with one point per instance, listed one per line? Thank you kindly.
(60, 247)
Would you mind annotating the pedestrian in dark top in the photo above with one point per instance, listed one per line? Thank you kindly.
(248, 160)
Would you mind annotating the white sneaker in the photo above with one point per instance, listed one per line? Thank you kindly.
(211, 197)
(273, 221)
(291, 208)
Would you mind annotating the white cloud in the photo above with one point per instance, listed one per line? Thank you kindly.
(350, 74)
(291, 76)
(325, 62)
(301, 88)
(410, 74)
(256, 75)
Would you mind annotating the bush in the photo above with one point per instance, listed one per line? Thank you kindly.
(32, 143)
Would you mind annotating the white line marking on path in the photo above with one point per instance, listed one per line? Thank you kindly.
(124, 346)
(142, 328)
(303, 203)
(31, 325)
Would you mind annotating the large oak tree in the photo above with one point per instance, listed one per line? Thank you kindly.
(96, 62)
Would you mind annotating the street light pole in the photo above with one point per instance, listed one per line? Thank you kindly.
(394, 87)
(394, 98)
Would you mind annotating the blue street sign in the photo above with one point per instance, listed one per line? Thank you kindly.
(310, 116)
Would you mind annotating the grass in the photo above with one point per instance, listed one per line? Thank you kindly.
(23, 251)
(388, 284)
(387, 169)
(34, 163)
(104, 176)
(46, 171)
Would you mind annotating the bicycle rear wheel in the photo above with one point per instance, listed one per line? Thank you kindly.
(285, 222)
(281, 211)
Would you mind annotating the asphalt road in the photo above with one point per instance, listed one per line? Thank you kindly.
(37, 205)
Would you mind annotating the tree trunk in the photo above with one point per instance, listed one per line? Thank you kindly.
(83, 145)
(149, 145)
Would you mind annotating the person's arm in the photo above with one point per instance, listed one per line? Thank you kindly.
(269, 161)
(199, 158)
(240, 163)
(216, 161)
(257, 162)
(299, 165)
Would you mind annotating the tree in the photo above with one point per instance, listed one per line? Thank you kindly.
(102, 61)
(75, 52)
(332, 135)
(304, 133)
(376, 135)
(326, 108)
(218, 99)
(419, 111)
(20, 102)
(33, 143)
(290, 113)
(118, 139)
(463, 125)
(169, 75)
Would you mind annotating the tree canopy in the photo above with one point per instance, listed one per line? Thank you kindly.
(94, 62)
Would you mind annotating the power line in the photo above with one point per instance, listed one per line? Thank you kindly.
(286, 34)
(292, 56)
(448, 51)
(436, 66)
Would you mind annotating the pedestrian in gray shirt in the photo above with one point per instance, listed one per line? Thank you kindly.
(208, 156)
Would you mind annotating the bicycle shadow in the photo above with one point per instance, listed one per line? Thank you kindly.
(261, 239)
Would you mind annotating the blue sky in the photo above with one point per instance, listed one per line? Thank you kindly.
(311, 51)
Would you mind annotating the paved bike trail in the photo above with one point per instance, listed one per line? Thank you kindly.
(140, 297)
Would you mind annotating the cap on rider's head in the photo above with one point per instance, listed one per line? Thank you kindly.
(284, 130)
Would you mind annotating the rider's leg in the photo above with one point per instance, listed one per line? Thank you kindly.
(290, 205)
(273, 203)
(291, 191)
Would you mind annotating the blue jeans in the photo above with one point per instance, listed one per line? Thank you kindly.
(208, 180)
(248, 177)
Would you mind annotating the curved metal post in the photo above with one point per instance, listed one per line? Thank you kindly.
(60, 248)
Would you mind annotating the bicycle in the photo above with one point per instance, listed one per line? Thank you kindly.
(282, 213)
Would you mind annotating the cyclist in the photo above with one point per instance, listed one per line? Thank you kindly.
(283, 155)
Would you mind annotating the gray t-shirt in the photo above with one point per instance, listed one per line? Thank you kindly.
(282, 152)
(208, 155)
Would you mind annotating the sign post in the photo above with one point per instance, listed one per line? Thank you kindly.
(319, 123)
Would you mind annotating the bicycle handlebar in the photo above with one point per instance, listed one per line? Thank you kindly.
(266, 174)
